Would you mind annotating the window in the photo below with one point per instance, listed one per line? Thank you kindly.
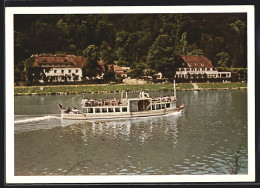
(77, 71)
(69, 71)
(188, 69)
(117, 109)
(90, 110)
(104, 110)
(124, 109)
(97, 110)
(62, 71)
(55, 71)
(168, 105)
(110, 110)
(203, 69)
(153, 107)
(208, 69)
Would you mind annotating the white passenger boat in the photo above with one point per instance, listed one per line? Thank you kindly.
(142, 106)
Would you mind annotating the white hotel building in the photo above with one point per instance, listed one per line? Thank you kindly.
(60, 68)
(198, 66)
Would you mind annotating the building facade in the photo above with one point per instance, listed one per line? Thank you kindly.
(60, 68)
(199, 67)
(119, 71)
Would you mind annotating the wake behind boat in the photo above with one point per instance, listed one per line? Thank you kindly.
(143, 106)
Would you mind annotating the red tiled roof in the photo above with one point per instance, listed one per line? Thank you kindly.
(59, 61)
(197, 61)
(117, 69)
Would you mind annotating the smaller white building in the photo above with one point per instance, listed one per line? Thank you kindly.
(158, 76)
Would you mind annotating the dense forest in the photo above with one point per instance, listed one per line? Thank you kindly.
(147, 43)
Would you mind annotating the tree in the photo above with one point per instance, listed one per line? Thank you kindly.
(161, 57)
(196, 52)
(137, 70)
(238, 28)
(109, 75)
(125, 48)
(183, 44)
(92, 68)
(107, 55)
(222, 59)
(74, 76)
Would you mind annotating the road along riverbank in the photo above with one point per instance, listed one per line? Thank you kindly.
(105, 88)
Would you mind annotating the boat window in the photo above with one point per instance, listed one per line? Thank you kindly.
(158, 106)
(153, 107)
(90, 110)
(124, 109)
(84, 110)
(117, 109)
(163, 106)
(168, 105)
(110, 110)
(104, 110)
(97, 110)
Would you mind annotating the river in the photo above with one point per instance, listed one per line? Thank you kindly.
(208, 137)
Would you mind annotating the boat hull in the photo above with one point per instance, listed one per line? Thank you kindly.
(83, 116)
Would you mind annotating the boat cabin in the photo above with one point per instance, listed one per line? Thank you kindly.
(143, 103)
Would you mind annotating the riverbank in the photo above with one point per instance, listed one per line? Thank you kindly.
(104, 88)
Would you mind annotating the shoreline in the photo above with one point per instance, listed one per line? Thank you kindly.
(117, 88)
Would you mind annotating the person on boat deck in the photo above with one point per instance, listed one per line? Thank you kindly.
(67, 110)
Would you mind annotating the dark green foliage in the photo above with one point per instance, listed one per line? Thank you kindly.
(133, 39)
(92, 68)
(109, 76)
(223, 59)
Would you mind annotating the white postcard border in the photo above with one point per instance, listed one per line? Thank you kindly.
(9, 80)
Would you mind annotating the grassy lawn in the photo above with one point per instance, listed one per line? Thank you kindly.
(96, 88)
(221, 85)
(118, 88)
